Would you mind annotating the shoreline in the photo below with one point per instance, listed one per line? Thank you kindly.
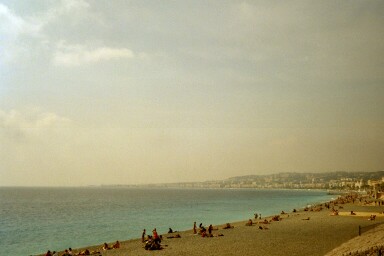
(305, 232)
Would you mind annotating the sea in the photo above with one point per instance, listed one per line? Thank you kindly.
(34, 220)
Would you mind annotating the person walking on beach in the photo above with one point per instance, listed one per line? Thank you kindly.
(143, 236)
(194, 228)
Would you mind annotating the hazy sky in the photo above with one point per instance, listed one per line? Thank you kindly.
(123, 92)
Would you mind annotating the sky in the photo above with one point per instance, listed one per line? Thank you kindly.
(137, 92)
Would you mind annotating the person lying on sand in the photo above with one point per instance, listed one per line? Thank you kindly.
(334, 213)
(174, 236)
(249, 223)
(205, 234)
(227, 226)
(372, 217)
(265, 221)
(263, 227)
(86, 252)
(306, 218)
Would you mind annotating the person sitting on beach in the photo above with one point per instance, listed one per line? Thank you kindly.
(249, 223)
(227, 226)
(202, 229)
(203, 233)
(256, 215)
(116, 245)
(282, 212)
(170, 231)
(372, 217)
(353, 213)
(294, 210)
(106, 247)
(54, 253)
(265, 221)
(48, 253)
(66, 253)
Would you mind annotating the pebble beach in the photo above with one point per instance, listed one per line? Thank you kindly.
(312, 231)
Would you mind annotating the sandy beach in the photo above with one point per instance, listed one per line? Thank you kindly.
(312, 232)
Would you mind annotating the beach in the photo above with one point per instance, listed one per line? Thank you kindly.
(311, 232)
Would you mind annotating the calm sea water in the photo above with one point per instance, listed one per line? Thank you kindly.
(33, 220)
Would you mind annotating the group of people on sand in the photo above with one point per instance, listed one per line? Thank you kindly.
(49, 253)
(152, 242)
(114, 246)
(204, 232)
(67, 252)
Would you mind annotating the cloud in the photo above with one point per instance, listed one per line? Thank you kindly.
(15, 25)
(66, 9)
(75, 55)
(20, 35)
(12, 25)
(29, 123)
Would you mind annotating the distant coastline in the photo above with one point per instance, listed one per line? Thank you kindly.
(333, 181)
(342, 181)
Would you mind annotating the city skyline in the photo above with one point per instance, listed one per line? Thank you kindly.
(138, 92)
